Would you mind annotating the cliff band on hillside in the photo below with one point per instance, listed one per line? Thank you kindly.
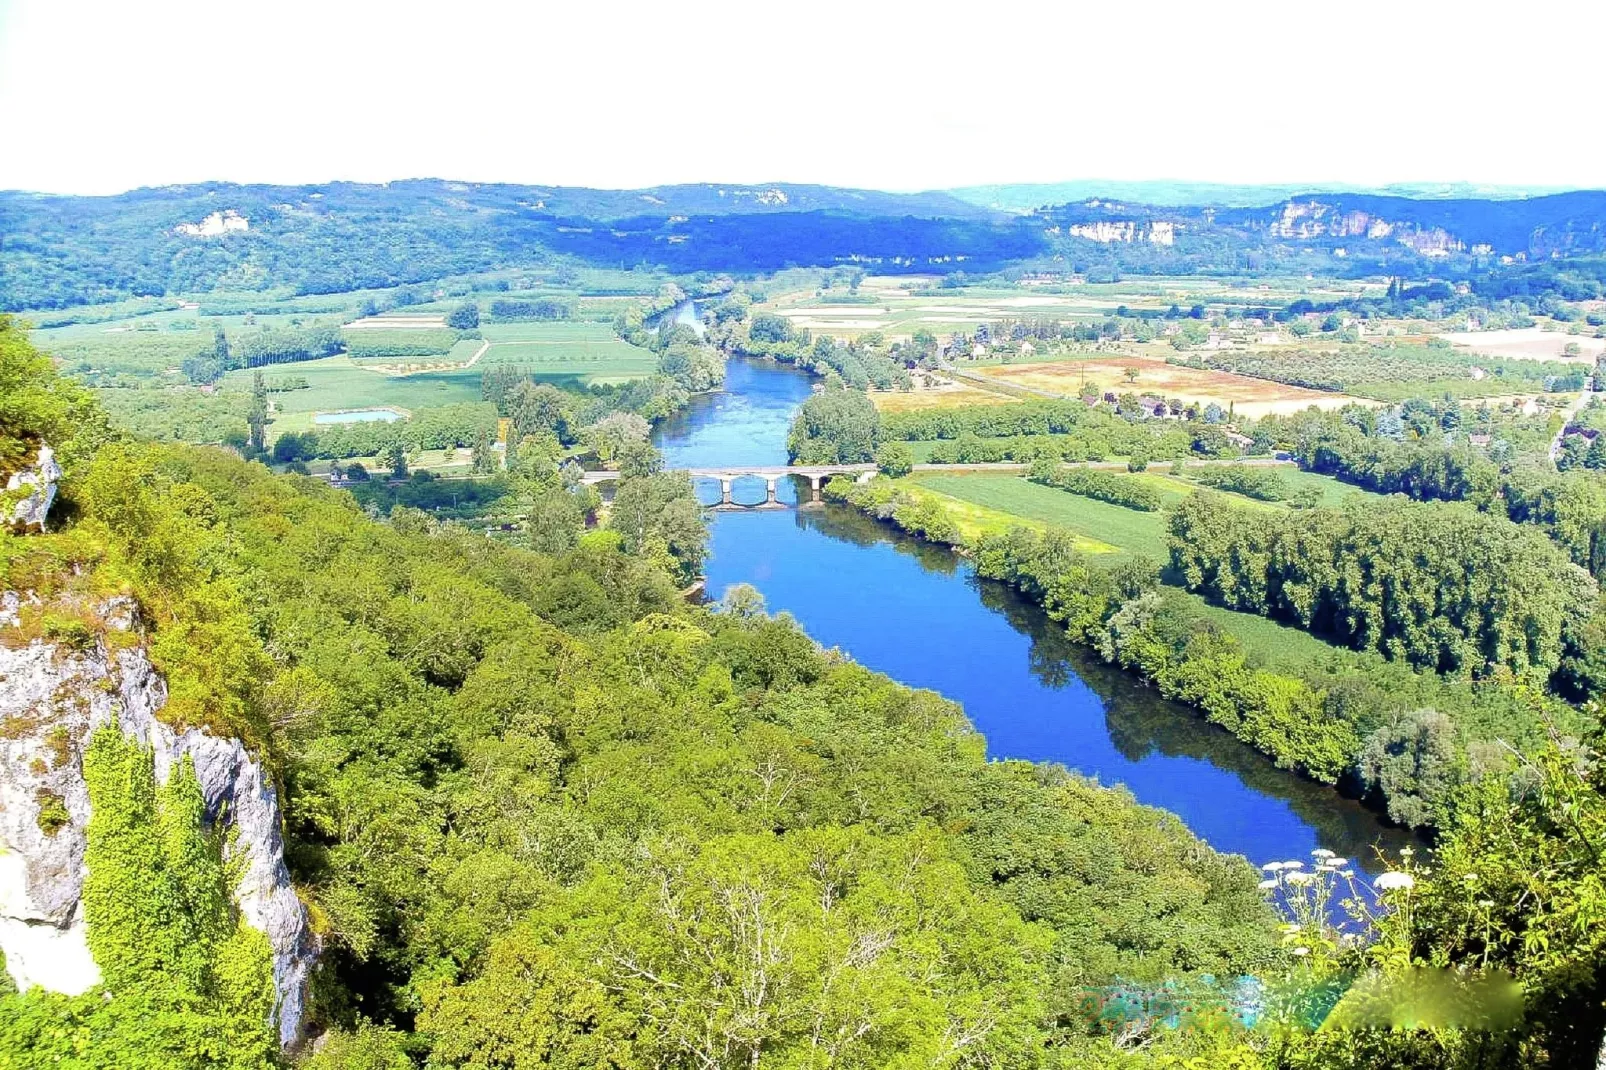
(52, 699)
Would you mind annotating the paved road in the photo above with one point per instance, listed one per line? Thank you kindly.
(1567, 417)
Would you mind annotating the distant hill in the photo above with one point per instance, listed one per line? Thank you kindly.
(1023, 197)
(1562, 224)
(57, 251)
(60, 251)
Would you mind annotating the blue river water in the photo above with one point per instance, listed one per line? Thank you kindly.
(919, 614)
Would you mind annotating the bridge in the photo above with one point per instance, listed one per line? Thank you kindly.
(771, 474)
(817, 474)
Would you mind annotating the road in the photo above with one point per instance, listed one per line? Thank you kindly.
(1567, 417)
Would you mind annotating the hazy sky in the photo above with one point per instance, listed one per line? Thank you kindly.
(98, 96)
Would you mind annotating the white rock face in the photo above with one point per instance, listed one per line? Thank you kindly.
(51, 700)
(42, 477)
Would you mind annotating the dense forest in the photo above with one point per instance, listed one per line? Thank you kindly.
(546, 809)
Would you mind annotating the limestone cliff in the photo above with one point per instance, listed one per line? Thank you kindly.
(34, 490)
(52, 698)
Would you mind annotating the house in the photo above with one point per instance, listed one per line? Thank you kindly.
(1480, 440)
(1242, 441)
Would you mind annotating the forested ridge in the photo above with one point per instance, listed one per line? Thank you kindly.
(58, 251)
(544, 811)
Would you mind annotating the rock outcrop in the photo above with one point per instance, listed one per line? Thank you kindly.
(42, 477)
(52, 698)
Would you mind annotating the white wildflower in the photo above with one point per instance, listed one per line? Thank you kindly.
(1486, 904)
(1293, 865)
(1267, 885)
(1321, 852)
(1299, 880)
(1470, 877)
(1335, 863)
(1272, 867)
(1393, 881)
(1348, 873)
(1301, 951)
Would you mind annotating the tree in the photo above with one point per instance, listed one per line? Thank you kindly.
(394, 457)
(659, 514)
(1131, 374)
(538, 409)
(640, 458)
(1595, 456)
(894, 459)
(465, 317)
(484, 453)
(257, 416)
(611, 435)
(555, 520)
(834, 426)
(1411, 763)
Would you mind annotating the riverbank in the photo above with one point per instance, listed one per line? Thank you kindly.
(1315, 711)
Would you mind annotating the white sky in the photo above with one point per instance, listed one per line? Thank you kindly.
(98, 96)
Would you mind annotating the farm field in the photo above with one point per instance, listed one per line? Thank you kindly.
(898, 306)
(1246, 396)
(1530, 343)
(936, 398)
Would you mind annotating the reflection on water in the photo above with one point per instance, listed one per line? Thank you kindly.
(918, 613)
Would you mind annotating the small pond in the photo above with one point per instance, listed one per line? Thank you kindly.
(357, 416)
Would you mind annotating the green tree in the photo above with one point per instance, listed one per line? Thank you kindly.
(658, 514)
(834, 426)
(256, 416)
(465, 317)
(394, 456)
(894, 459)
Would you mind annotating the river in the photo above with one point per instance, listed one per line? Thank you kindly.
(919, 614)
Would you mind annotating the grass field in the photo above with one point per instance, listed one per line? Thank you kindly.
(1110, 526)
(1113, 527)
(553, 331)
(1277, 647)
(985, 503)
(976, 519)
(337, 383)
